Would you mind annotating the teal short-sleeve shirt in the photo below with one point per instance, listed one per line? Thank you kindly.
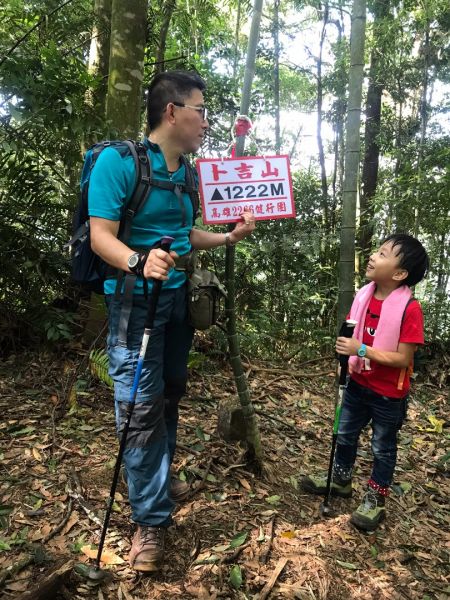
(111, 185)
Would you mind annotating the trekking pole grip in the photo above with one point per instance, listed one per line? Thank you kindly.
(165, 244)
(346, 330)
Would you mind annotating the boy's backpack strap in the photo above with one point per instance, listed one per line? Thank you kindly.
(410, 368)
(407, 304)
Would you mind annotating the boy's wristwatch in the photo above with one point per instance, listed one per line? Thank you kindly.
(362, 351)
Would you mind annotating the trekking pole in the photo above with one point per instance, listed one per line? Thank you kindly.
(345, 331)
(95, 573)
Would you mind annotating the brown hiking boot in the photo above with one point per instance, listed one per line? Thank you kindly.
(179, 490)
(147, 548)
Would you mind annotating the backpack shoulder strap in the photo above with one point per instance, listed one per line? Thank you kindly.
(137, 200)
(412, 299)
(141, 188)
(191, 186)
(402, 374)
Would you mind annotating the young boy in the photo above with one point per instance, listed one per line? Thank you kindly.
(389, 327)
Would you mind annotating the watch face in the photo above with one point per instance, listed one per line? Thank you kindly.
(133, 261)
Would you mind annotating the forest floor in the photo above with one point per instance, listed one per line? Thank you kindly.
(238, 536)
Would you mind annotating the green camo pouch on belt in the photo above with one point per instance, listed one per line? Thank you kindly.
(205, 293)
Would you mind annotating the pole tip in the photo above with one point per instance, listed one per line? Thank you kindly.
(96, 574)
(326, 511)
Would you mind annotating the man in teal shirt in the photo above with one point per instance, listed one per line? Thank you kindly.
(176, 118)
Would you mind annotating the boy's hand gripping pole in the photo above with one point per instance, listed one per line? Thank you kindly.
(346, 330)
(96, 573)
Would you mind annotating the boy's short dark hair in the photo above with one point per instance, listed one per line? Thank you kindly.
(170, 86)
(412, 256)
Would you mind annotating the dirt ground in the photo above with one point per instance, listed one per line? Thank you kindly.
(238, 536)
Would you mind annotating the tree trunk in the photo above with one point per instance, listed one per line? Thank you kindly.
(352, 155)
(99, 52)
(253, 438)
(338, 149)
(277, 298)
(398, 160)
(126, 67)
(167, 10)
(323, 172)
(276, 73)
(236, 39)
(371, 144)
(423, 111)
(237, 30)
(440, 295)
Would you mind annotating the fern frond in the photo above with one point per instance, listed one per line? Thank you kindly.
(98, 366)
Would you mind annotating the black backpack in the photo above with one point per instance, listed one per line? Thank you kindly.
(88, 269)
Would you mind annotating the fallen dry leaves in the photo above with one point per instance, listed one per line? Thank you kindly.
(57, 469)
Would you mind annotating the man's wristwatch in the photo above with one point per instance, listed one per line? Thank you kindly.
(136, 263)
(362, 351)
(133, 262)
(228, 242)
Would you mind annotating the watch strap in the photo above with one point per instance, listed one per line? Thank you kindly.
(139, 268)
(228, 242)
(362, 350)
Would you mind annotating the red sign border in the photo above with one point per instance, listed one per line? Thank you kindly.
(292, 215)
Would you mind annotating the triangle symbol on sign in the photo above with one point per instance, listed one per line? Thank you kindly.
(217, 195)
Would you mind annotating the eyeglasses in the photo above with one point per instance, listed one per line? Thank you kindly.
(200, 109)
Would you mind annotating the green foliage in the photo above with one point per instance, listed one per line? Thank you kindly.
(43, 119)
(236, 576)
(196, 360)
(287, 276)
(57, 324)
(98, 365)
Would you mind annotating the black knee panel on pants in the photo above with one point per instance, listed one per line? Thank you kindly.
(175, 389)
(171, 408)
(147, 423)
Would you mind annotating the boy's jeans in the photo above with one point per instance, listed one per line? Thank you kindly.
(151, 438)
(359, 407)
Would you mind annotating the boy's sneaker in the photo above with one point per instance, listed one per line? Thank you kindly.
(370, 512)
(317, 484)
(147, 548)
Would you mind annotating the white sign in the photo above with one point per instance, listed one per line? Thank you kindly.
(230, 186)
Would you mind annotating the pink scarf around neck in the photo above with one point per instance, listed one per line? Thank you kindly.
(388, 330)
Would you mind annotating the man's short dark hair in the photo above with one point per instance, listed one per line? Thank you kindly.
(412, 256)
(170, 86)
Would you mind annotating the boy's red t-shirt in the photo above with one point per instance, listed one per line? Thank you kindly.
(379, 378)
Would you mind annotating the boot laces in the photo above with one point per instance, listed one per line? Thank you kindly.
(151, 535)
(370, 500)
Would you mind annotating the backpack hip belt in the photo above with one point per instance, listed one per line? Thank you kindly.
(186, 263)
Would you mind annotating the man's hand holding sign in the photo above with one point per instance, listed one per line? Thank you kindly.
(204, 240)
